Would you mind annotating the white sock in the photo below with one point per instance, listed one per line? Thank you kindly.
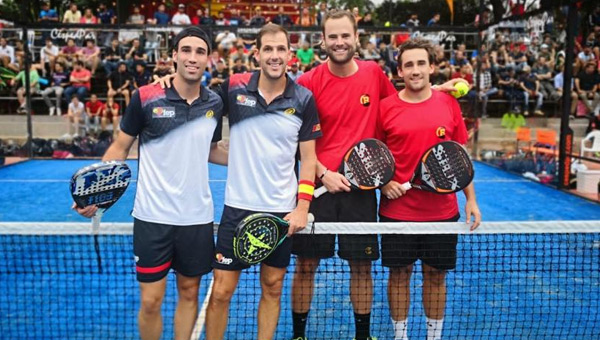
(400, 329)
(434, 329)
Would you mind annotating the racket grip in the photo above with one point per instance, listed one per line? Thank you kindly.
(406, 186)
(310, 218)
(320, 191)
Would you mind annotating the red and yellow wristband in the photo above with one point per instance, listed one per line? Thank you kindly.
(306, 190)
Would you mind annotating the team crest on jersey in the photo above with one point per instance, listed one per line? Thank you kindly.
(316, 127)
(210, 114)
(163, 112)
(245, 100)
(290, 111)
(440, 132)
(365, 100)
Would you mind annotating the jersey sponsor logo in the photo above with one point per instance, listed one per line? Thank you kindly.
(245, 100)
(163, 112)
(290, 111)
(223, 260)
(365, 100)
(440, 132)
(210, 114)
(316, 127)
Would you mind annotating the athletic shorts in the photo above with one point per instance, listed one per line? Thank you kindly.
(224, 258)
(401, 250)
(189, 250)
(354, 206)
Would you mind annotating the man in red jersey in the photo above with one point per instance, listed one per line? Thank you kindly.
(347, 92)
(411, 122)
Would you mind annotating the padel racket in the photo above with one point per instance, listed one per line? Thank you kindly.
(367, 165)
(100, 184)
(258, 235)
(444, 169)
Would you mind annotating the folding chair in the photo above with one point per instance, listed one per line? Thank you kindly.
(594, 136)
(524, 136)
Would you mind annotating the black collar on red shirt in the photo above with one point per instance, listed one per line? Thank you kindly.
(172, 94)
(253, 85)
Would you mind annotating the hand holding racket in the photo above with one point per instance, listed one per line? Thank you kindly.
(258, 235)
(367, 165)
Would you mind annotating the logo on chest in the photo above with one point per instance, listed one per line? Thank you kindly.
(245, 100)
(441, 132)
(163, 112)
(365, 100)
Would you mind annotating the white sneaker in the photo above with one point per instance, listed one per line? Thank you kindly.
(52, 110)
(66, 136)
(58, 111)
(75, 135)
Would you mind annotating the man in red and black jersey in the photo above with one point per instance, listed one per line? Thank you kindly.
(410, 122)
(347, 92)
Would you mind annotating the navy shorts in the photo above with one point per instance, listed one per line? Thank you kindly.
(354, 206)
(224, 258)
(189, 250)
(401, 250)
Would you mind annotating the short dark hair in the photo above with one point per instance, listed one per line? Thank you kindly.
(338, 14)
(271, 28)
(413, 44)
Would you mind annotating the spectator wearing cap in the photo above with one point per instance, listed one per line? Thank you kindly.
(80, 79)
(90, 55)
(164, 66)
(118, 83)
(586, 85)
(72, 15)
(258, 20)
(88, 17)
(294, 72)
(141, 76)
(181, 18)
(219, 74)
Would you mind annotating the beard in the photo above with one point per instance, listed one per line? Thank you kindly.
(416, 87)
(271, 74)
(190, 78)
(340, 59)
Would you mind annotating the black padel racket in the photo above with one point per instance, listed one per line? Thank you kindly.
(258, 235)
(100, 184)
(444, 169)
(367, 165)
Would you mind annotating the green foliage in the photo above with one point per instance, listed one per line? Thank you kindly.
(9, 10)
(5, 76)
(363, 5)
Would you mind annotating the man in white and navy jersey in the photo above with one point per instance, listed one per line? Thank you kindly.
(270, 118)
(173, 227)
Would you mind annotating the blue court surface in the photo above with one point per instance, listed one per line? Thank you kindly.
(505, 286)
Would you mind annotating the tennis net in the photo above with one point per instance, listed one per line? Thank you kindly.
(513, 280)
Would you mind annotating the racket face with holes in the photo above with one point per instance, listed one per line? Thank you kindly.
(368, 165)
(445, 168)
(257, 236)
(100, 184)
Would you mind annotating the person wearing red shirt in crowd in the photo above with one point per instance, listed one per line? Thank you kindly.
(80, 82)
(110, 114)
(410, 122)
(347, 92)
(93, 113)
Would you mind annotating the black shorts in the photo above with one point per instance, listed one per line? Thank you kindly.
(189, 250)
(354, 206)
(224, 258)
(401, 250)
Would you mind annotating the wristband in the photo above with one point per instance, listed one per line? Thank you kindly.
(306, 190)
(324, 173)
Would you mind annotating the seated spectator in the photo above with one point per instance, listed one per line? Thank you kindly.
(583, 58)
(387, 54)
(90, 55)
(306, 55)
(559, 80)
(466, 73)
(440, 60)
(238, 54)
(34, 86)
(7, 53)
(202, 18)
(510, 88)
(75, 115)
(239, 67)
(93, 114)
(281, 18)
(437, 77)
(486, 87)
(136, 54)
(164, 66)
(258, 20)
(19, 56)
(110, 114)
(543, 73)
(213, 58)
(385, 69)
(370, 53)
(221, 20)
(586, 85)
(225, 41)
(500, 59)
(112, 57)
(141, 76)
(531, 89)
(80, 79)
(68, 54)
(219, 75)
(59, 80)
(118, 83)
(518, 56)
(136, 17)
(48, 55)
(413, 21)
(88, 17)
(366, 21)
(72, 15)
(294, 72)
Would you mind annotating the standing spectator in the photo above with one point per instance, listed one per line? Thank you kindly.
(90, 55)
(413, 21)
(75, 113)
(543, 73)
(106, 16)
(235, 19)
(586, 85)
(49, 16)
(141, 76)
(305, 20)
(181, 18)
(72, 15)
(49, 55)
(34, 86)
(321, 13)
(221, 20)
(594, 18)
(110, 114)
(112, 57)
(59, 81)
(306, 55)
(80, 82)
(281, 18)
(434, 21)
(161, 17)
(88, 17)
(219, 75)
(356, 14)
(136, 17)
(93, 114)
(7, 53)
(258, 20)
(68, 54)
(294, 72)
(118, 83)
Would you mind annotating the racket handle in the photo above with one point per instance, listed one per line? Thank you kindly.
(310, 218)
(406, 186)
(320, 191)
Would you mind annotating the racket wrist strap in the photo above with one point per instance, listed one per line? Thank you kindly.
(306, 190)
(323, 174)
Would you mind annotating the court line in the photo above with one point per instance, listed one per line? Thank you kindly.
(200, 320)
(67, 180)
